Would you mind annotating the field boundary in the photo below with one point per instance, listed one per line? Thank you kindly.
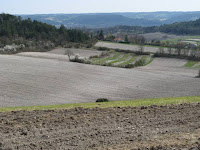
(125, 103)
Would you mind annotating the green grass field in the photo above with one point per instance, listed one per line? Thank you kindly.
(120, 58)
(150, 61)
(129, 61)
(174, 41)
(103, 60)
(126, 103)
(192, 64)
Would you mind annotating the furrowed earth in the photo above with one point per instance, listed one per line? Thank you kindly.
(154, 127)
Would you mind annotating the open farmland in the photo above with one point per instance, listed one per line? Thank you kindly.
(160, 36)
(154, 127)
(26, 81)
(130, 47)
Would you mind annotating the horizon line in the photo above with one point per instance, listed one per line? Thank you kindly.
(93, 13)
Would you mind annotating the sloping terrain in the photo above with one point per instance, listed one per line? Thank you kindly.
(154, 127)
(26, 81)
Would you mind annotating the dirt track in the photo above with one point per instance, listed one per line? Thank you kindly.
(155, 127)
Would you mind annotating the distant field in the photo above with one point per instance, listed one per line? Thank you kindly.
(130, 47)
(160, 36)
(186, 39)
(171, 38)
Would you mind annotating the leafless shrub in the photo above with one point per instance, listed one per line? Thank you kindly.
(193, 53)
(186, 52)
(103, 54)
(141, 48)
(178, 51)
(169, 50)
(161, 50)
(69, 53)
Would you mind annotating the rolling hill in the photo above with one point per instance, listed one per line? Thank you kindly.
(101, 20)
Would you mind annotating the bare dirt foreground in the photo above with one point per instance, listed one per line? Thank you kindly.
(153, 127)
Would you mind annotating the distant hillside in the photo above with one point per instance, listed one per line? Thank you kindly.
(182, 28)
(14, 27)
(102, 20)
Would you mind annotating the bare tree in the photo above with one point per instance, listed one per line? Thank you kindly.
(178, 50)
(199, 74)
(161, 50)
(169, 50)
(186, 52)
(141, 49)
(69, 53)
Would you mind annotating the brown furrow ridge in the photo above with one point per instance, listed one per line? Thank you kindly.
(153, 127)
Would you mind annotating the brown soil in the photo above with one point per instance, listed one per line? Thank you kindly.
(154, 127)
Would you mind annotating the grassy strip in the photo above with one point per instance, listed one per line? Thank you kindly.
(121, 59)
(144, 58)
(127, 103)
(150, 61)
(129, 61)
(197, 66)
(190, 63)
(107, 59)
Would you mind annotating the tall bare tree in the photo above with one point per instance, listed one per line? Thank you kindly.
(141, 48)
(69, 53)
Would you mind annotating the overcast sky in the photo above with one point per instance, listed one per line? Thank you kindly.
(95, 6)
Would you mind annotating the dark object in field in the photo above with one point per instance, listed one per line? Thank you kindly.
(102, 100)
(102, 48)
(198, 74)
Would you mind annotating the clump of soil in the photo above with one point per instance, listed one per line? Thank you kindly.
(154, 127)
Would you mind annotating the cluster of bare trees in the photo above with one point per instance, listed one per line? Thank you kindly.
(179, 52)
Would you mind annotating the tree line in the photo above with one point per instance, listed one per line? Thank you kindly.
(14, 27)
(181, 28)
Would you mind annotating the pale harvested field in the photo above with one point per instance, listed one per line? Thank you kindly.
(126, 47)
(81, 52)
(38, 81)
(160, 36)
(58, 54)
